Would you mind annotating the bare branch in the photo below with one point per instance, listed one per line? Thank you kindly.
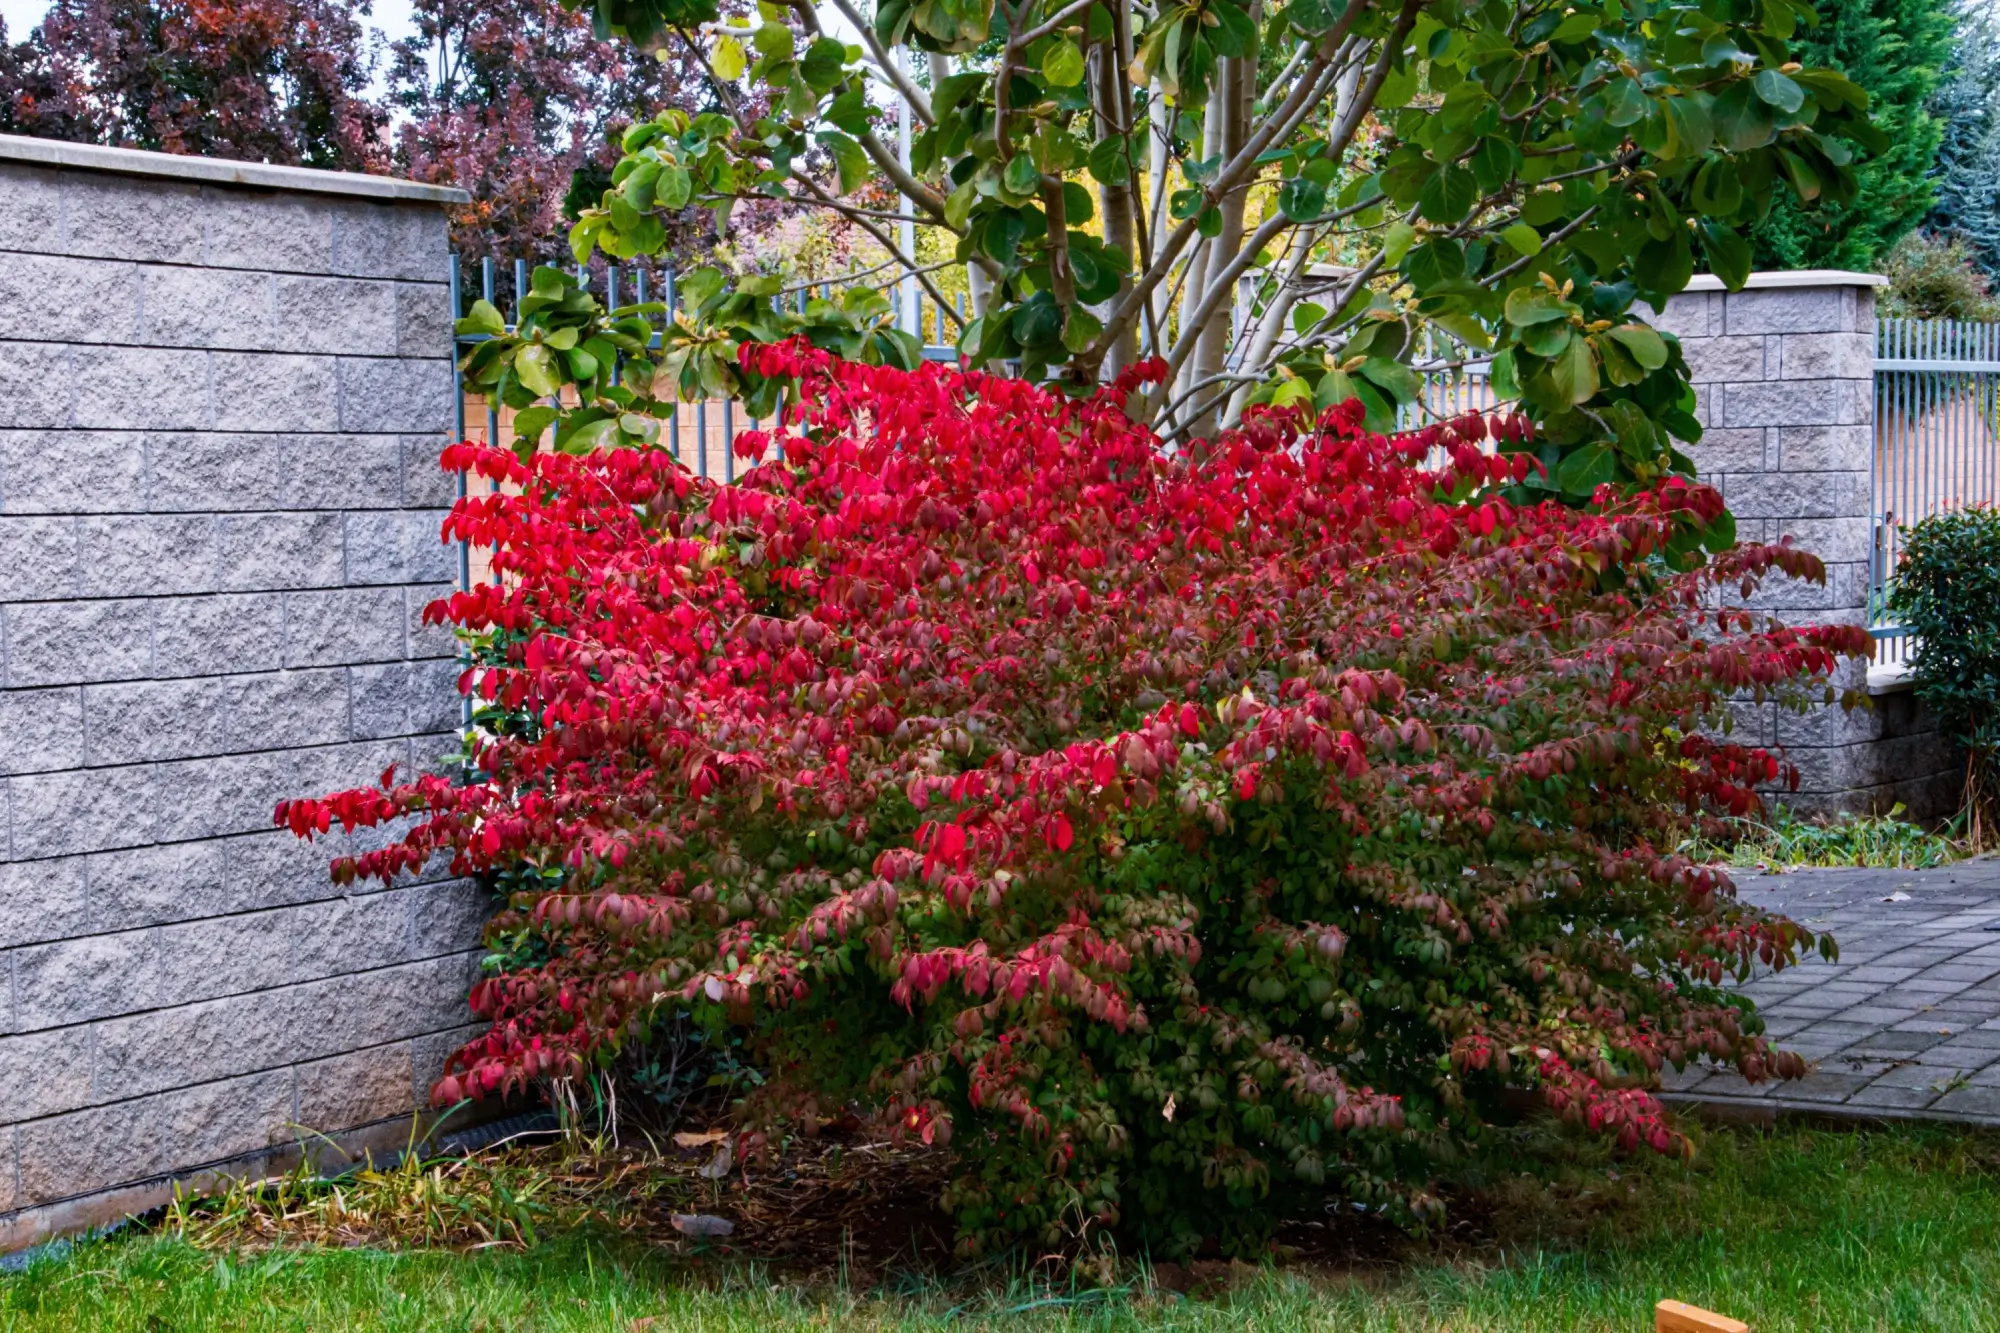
(914, 95)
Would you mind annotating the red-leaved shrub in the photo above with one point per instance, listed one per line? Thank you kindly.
(1166, 833)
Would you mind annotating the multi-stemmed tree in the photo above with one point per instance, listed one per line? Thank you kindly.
(1308, 200)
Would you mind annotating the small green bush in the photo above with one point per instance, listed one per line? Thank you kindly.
(1784, 839)
(1936, 277)
(1947, 592)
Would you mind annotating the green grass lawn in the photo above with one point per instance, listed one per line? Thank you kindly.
(1798, 1228)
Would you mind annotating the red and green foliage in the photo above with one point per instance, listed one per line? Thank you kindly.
(1168, 832)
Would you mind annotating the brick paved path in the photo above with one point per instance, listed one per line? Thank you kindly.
(1907, 1023)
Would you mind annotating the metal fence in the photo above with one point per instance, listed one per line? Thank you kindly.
(1937, 440)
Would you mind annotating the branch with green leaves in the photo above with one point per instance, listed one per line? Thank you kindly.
(1291, 201)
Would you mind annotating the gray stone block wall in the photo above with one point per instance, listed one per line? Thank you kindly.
(219, 511)
(1784, 372)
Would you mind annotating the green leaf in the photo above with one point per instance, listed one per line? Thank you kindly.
(530, 422)
(1728, 253)
(1062, 66)
(1504, 377)
(673, 189)
(601, 434)
(1777, 89)
(958, 205)
(1647, 347)
(535, 366)
(849, 158)
(1081, 329)
(1574, 372)
(1398, 379)
(484, 317)
(1396, 242)
(1448, 194)
(729, 60)
(1743, 121)
(1588, 468)
(1021, 178)
(1624, 104)
(1110, 160)
(1535, 304)
(1720, 534)
(822, 66)
(1302, 200)
(773, 41)
(1525, 239)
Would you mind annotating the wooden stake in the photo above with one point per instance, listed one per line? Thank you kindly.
(1680, 1317)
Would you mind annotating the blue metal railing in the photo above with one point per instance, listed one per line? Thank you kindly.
(1936, 444)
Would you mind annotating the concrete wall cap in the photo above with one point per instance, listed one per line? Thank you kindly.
(1803, 277)
(218, 171)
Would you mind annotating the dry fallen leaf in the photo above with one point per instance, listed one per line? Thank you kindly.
(702, 1224)
(689, 1139)
(719, 1166)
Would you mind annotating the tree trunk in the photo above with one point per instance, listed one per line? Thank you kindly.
(1114, 202)
(1237, 90)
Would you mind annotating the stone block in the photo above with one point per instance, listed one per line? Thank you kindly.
(1798, 403)
(428, 1054)
(69, 472)
(424, 319)
(44, 1073)
(1726, 359)
(39, 555)
(1789, 310)
(1833, 539)
(338, 767)
(189, 880)
(1688, 316)
(1817, 356)
(1730, 451)
(258, 552)
(357, 1088)
(426, 485)
(204, 636)
(144, 388)
(388, 240)
(153, 720)
(1795, 495)
(427, 640)
(81, 810)
(338, 315)
(1825, 448)
(398, 546)
(61, 298)
(345, 626)
(42, 388)
(343, 472)
(32, 220)
(66, 643)
(145, 555)
(76, 981)
(275, 233)
(149, 220)
(221, 795)
(353, 934)
(42, 900)
(256, 391)
(40, 730)
(1846, 768)
(89, 1150)
(448, 917)
(285, 709)
(386, 395)
(405, 698)
(207, 308)
(213, 471)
